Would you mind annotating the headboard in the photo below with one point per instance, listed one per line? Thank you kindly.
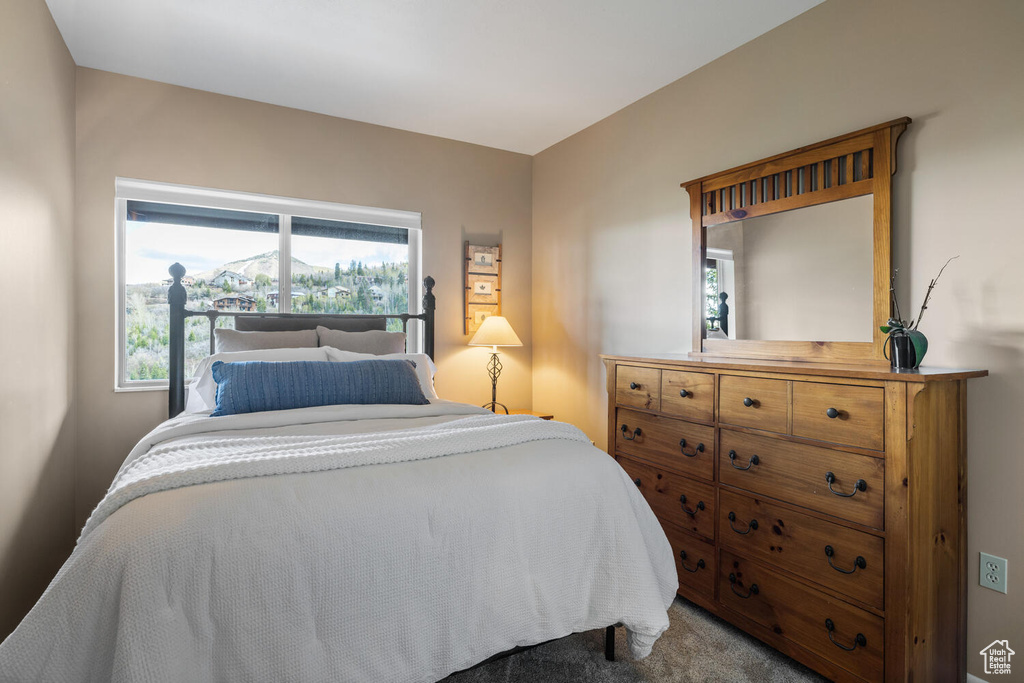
(177, 298)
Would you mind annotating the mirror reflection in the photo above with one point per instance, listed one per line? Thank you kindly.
(803, 275)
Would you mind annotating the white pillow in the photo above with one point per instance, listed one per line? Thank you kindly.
(425, 367)
(202, 392)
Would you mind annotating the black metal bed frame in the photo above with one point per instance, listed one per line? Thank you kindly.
(177, 298)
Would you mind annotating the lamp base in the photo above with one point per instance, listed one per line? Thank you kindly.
(494, 370)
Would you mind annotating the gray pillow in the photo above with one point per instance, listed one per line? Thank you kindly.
(377, 342)
(233, 340)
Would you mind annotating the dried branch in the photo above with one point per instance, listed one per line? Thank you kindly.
(928, 294)
(892, 294)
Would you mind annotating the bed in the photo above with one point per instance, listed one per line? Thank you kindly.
(369, 542)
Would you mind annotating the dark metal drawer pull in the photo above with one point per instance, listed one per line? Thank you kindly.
(682, 501)
(749, 402)
(859, 640)
(753, 590)
(754, 460)
(625, 433)
(682, 561)
(861, 485)
(683, 393)
(682, 447)
(637, 482)
(750, 527)
(859, 563)
(634, 386)
(832, 413)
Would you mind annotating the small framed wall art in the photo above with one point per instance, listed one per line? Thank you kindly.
(483, 259)
(483, 285)
(482, 289)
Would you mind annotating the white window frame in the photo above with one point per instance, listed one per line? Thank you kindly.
(285, 207)
(726, 261)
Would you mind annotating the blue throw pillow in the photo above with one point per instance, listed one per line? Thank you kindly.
(255, 386)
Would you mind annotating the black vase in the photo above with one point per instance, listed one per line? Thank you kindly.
(901, 352)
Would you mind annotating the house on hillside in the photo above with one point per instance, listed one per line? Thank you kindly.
(377, 293)
(234, 302)
(368, 279)
(272, 297)
(337, 292)
(186, 280)
(231, 278)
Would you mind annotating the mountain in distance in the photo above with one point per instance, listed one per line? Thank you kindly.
(265, 264)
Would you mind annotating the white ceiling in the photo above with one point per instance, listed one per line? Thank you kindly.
(514, 74)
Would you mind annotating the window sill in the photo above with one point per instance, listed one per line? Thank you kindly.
(145, 387)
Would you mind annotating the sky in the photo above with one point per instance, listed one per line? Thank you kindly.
(150, 248)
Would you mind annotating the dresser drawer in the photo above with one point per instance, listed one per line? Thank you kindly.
(638, 387)
(675, 499)
(695, 561)
(840, 413)
(843, 484)
(688, 394)
(845, 560)
(813, 620)
(755, 403)
(663, 441)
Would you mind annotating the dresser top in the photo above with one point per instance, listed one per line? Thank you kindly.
(872, 372)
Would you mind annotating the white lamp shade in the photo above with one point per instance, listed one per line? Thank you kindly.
(495, 331)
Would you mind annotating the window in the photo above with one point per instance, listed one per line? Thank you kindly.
(711, 292)
(247, 252)
(719, 292)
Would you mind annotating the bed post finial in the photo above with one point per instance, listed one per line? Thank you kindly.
(429, 303)
(177, 297)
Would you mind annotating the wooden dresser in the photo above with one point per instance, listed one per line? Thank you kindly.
(820, 508)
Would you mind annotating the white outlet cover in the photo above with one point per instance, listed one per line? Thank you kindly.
(992, 572)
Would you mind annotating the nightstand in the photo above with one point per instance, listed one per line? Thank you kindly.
(543, 416)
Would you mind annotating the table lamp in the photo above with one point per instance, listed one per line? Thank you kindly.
(494, 332)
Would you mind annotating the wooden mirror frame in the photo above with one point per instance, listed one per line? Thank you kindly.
(851, 165)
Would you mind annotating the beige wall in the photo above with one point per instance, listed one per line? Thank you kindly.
(612, 233)
(37, 147)
(141, 129)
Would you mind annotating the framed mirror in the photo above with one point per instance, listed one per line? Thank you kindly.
(792, 254)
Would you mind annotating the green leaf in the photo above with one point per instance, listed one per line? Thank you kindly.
(920, 343)
(885, 329)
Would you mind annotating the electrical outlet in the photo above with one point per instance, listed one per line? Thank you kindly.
(992, 572)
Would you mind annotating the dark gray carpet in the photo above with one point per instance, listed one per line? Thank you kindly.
(698, 647)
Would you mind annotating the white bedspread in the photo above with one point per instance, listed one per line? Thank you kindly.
(349, 543)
